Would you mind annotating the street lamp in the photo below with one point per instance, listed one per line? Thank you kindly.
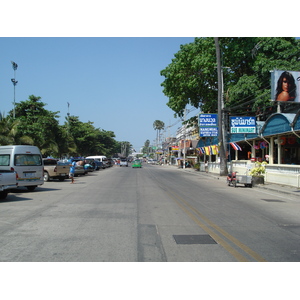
(14, 82)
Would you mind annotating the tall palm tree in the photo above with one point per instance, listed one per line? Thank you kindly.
(158, 126)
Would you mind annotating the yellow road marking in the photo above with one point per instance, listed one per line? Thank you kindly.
(179, 200)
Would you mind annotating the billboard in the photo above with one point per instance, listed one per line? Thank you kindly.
(285, 86)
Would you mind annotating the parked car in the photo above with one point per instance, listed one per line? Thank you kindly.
(89, 164)
(53, 170)
(8, 179)
(136, 163)
(101, 158)
(98, 165)
(79, 169)
(110, 162)
(27, 162)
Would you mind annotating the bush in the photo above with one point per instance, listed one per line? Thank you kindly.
(197, 166)
(259, 169)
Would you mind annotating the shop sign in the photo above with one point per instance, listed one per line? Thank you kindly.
(242, 124)
(208, 125)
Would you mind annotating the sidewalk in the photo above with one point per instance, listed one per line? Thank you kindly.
(280, 188)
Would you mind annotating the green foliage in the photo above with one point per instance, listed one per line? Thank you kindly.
(259, 169)
(191, 77)
(146, 149)
(39, 124)
(158, 125)
(34, 125)
(197, 166)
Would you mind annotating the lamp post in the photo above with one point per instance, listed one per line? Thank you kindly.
(14, 82)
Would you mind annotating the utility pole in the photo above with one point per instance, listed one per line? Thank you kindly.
(223, 160)
(14, 82)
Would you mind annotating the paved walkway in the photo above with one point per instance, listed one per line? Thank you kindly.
(281, 188)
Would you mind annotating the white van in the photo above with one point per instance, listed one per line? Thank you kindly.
(26, 161)
(101, 158)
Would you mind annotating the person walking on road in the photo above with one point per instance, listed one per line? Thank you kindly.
(72, 170)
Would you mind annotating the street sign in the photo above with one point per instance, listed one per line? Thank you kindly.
(208, 120)
(208, 125)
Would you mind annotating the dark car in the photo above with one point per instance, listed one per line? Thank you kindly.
(98, 165)
(110, 162)
(89, 164)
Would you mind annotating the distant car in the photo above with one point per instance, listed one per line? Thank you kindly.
(110, 162)
(123, 162)
(136, 164)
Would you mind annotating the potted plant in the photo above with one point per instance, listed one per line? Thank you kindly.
(258, 172)
(197, 166)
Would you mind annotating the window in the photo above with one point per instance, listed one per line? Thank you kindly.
(28, 160)
(4, 159)
(50, 162)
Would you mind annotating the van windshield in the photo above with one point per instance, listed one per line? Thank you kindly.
(28, 160)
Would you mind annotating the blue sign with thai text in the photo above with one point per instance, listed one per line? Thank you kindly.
(208, 125)
(208, 120)
(242, 124)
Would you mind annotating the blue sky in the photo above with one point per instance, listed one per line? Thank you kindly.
(105, 58)
(114, 82)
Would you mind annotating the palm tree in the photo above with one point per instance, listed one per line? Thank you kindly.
(158, 126)
(9, 130)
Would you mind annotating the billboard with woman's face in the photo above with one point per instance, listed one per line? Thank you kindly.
(285, 86)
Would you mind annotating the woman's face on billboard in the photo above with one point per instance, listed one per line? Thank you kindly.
(285, 85)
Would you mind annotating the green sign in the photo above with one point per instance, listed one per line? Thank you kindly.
(243, 130)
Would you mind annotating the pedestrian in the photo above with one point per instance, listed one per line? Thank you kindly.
(206, 166)
(72, 170)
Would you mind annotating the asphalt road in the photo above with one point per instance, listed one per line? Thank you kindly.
(152, 214)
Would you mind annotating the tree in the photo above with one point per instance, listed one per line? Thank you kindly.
(85, 139)
(246, 62)
(39, 124)
(158, 126)
(192, 77)
(146, 147)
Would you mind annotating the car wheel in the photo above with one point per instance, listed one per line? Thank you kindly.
(46, 176)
